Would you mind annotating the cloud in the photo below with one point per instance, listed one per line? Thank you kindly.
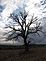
(33, 6)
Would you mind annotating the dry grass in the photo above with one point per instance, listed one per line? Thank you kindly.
(34, 54)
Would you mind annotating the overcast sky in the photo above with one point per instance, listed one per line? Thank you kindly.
(33, 6)
(38, 7)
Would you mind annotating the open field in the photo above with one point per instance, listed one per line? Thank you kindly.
(34, 54)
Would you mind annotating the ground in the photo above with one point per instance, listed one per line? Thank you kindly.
(34, 54)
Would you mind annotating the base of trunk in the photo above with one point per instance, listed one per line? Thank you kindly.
(26, 48)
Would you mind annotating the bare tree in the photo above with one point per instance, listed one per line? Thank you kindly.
(24, 28)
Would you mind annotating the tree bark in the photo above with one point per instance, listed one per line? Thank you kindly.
(26, 45)
(26, 48)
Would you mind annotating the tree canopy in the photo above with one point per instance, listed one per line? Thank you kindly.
(22, 29)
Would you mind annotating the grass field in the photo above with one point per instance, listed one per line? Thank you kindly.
(34, 54)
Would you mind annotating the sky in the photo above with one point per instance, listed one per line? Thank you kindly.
(33, 6)
(38, 7)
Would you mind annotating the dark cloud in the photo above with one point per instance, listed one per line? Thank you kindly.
(43, 2)
(2, 7)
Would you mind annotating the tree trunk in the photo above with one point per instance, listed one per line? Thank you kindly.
(26, 48)
(26, 45)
